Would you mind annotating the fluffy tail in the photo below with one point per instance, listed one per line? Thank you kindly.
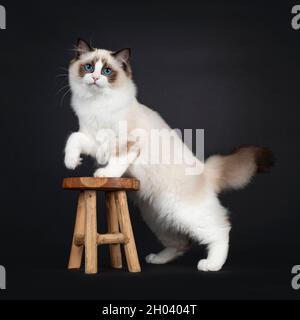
(234, 171)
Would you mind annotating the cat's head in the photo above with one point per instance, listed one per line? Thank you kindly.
(94, 71)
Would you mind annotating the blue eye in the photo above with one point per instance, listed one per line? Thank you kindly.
(106, 71)
(88, 67)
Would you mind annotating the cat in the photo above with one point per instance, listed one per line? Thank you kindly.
(179, 208)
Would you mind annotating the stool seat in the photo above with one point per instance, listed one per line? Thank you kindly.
(104, 184)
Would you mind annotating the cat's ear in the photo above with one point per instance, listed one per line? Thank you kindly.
(82, 47)
(123, 55)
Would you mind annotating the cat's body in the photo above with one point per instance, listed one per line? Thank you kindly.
(178, 207)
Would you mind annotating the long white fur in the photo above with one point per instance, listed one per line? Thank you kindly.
(177, 207)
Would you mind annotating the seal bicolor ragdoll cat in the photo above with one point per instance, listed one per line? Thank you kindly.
(178, 207)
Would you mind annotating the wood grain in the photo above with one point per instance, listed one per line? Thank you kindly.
(77, 251)
(91, 263)
(105, 184)
(107, 238)
(126, 229)
(112, 239)
(113, 227)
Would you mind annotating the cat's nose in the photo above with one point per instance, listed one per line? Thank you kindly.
(95, 79)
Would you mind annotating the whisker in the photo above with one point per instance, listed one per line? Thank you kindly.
(64, 87)
(63, 68)
(62, 99)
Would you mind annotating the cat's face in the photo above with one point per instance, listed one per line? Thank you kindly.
(95, 71)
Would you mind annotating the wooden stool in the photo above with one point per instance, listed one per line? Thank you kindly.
(85, 231)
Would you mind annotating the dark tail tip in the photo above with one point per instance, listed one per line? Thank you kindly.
(264, 158)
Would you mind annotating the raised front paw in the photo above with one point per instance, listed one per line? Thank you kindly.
(72, 160)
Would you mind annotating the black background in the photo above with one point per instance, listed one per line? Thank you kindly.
(230, 67)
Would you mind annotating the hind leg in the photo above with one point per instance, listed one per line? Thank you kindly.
(217, 239)
(210, 226)
(217, 255)
(175, 246)
(175, 243)
(164, 256)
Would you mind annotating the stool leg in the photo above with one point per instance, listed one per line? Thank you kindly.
(90, 232)
(77, 251)
(126, 229)
(113, 227)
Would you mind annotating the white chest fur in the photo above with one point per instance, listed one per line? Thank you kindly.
(101, 113)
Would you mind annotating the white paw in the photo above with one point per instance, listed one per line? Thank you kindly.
(207, 265)
(100, 173)
(72, 160)
(105, 173)
(102, 155)
(154, 259)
